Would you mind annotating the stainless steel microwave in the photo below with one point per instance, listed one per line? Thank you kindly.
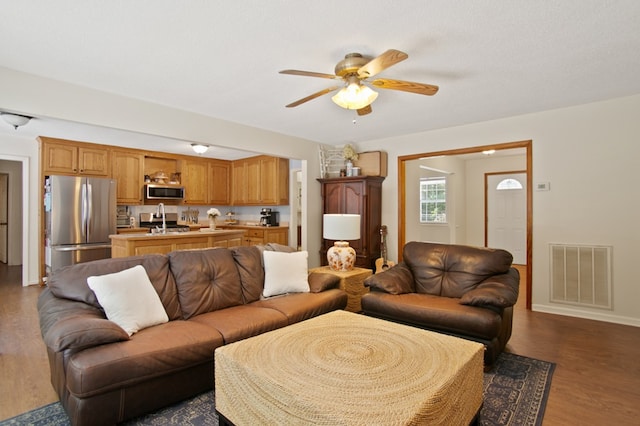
(157, 191)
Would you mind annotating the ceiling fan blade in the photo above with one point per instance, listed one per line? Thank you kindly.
(405, 86)
(313, 96)
(382, 62)
(364, 111)
(310, 74)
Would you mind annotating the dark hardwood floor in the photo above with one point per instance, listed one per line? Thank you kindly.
(596, 381)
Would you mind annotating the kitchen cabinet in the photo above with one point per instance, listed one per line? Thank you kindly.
(61, 157)
(261, 180)
(261, 235)
(219, 182)
(127, 170)
(356, 195)
(195, 179)
(123, 245)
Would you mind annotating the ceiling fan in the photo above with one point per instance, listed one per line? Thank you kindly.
(355, 70)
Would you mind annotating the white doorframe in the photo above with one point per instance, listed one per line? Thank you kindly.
(26, 195)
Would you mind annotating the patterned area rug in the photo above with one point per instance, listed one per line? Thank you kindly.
(515, 393)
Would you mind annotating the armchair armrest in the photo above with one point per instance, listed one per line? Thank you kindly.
(395, 280)
(500, 291)
(319, 281)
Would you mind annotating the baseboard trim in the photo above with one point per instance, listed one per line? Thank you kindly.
(596, 316)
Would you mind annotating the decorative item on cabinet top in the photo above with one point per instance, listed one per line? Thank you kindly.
(332, 162)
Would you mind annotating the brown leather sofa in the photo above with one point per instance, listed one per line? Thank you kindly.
(463, 291)
(212, 297)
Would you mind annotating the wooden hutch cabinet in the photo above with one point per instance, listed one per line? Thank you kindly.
(356, 195)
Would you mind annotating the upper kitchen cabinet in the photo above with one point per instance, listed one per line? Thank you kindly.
(195, 179)
(127, 169)
(261, 180)
(219, 182)
(63, 157)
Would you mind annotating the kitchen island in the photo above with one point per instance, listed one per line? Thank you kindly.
(132, 244)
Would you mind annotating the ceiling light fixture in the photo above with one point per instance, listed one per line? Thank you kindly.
(15, 120)
(354, 95)
(199, 148)
(489, 152)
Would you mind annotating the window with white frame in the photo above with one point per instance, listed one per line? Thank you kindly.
(433, 200)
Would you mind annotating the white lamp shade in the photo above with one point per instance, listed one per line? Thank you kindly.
(354, 96)
(341, 227)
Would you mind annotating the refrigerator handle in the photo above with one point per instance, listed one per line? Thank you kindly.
(83, 196)
(89, 201)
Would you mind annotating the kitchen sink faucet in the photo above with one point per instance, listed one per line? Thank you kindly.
(160, 211)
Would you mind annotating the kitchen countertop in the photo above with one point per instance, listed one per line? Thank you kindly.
(173, 235)
(245, 226)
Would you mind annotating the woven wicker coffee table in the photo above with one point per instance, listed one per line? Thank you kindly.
(343, 368)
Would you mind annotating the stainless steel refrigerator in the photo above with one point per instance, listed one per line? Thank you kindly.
(80, 214)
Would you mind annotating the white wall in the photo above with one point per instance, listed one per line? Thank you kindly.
(41, 97)
(589, 155)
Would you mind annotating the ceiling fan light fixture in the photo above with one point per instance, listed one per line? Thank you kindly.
(199, 148)
(354, 96)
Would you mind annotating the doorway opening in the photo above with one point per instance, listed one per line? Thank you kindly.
(17, 170)
(404, 168)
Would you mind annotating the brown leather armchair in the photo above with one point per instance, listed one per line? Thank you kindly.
(463, 291)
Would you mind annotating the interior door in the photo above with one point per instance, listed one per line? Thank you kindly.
(506, 219)
(4, 200)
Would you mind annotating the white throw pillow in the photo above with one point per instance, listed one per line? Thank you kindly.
(285, 272)
(129, 299)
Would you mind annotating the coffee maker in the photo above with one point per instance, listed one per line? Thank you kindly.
(268, 217)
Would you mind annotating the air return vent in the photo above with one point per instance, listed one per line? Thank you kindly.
(581, 275)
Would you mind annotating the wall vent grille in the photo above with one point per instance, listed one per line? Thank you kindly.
(581, 275)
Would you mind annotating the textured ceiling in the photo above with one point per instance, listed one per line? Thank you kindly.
(491, 59)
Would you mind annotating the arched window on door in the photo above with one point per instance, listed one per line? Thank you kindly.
(507, 184)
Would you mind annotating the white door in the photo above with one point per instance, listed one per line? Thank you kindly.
(4, 193)
(507, 214)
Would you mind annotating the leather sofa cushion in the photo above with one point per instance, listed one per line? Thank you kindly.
(153, 352)
(207, 280)
(240, 322)
(438, 313)
(301, 306)
(71, 282)
(249, 263)
(452, 270)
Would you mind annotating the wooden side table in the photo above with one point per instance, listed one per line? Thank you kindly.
(352, 282)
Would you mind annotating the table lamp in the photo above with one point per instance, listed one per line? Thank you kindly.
(341, 227)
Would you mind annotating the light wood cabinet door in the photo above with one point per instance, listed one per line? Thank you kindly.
(93, 161)
(253, 181)
(278, 236)
(238, 183)
(127, 170)
(219, 182)
(70, 158)
(260, 181)
(195, 177)
(59, 158)
(274, 180)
